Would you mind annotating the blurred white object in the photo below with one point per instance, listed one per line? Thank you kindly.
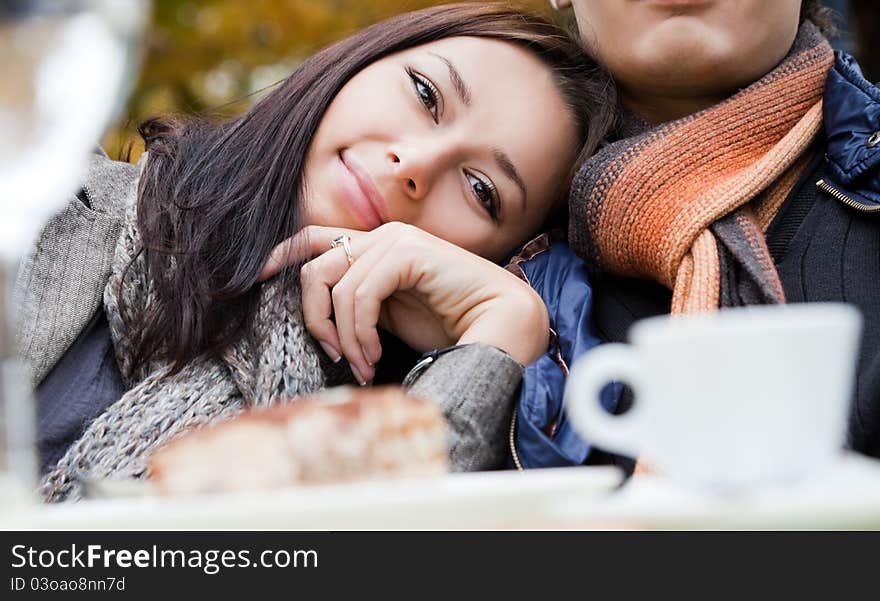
(67, 67)
(18, 476)
(735, 400)
(844, 494)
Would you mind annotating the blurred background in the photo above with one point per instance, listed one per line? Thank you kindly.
(216, 55)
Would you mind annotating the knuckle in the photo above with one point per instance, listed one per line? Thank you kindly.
(363, 330)
(339, 293)
(316, 326)
(397, 228)
(307, 231)
(307, 273)
(361, 296)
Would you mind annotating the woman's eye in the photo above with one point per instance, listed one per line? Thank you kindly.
(427, 94)
(485, 193)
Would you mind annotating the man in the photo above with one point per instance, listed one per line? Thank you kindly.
(743, 171)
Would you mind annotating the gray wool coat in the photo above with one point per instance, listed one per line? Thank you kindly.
(60, 287)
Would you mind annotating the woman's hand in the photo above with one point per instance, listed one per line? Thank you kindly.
(426, 291)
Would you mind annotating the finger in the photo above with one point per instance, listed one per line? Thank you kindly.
(317, 278)
(360, 340)
(284, 254)
(379, 272)
(384, 272)
(309, 242)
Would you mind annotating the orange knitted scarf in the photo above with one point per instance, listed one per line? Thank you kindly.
(687, 203)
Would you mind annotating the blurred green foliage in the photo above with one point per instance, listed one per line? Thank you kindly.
(215, 54)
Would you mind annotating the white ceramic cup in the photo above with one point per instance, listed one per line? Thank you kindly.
(734, 399)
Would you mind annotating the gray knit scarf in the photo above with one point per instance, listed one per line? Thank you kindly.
(156, 407)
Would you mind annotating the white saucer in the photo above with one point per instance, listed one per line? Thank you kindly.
(845, 495)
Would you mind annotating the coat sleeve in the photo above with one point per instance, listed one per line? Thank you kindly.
(476, 386)
(60, 283)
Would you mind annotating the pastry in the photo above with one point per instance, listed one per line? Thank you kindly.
(341, 435)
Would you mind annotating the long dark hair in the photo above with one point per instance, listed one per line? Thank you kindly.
(215, 198)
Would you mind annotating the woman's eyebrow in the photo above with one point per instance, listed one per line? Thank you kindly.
(509, 169)
(464, 92)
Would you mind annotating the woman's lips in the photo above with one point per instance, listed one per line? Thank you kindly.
(360, 191)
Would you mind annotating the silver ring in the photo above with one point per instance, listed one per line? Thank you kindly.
(345, 241)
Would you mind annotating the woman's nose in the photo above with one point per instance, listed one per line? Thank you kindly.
(417, 167)
(405, 173)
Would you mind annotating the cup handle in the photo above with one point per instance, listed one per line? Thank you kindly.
(621, 433)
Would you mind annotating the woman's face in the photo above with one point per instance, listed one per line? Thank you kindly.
(687, 48)
(465, 138)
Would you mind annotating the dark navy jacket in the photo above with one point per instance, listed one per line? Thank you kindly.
(825, 242)
(852, 127)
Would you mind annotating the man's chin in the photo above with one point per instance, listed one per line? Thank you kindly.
(689, 67)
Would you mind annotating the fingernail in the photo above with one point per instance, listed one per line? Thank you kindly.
(357, 374)
(367, 356)
(331, 352)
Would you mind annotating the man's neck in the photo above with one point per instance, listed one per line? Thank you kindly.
(658, 109)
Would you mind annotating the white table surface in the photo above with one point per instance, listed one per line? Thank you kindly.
(504, 499)
(845, 495)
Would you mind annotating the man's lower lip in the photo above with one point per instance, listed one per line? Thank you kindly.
(676, 3)
(359, 203)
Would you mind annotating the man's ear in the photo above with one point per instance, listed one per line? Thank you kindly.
(560, 4)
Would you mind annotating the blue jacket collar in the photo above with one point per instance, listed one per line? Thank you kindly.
(852, 128)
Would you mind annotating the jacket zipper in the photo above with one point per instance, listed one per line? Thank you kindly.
(853, 204)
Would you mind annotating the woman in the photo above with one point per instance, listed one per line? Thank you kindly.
(419, 120)
(744, 171)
